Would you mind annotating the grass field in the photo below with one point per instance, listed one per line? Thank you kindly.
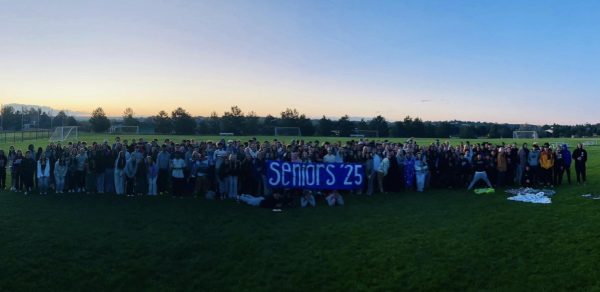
(438, 240)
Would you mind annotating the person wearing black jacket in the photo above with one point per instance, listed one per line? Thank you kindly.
(580, 156)
(28, 169)
(3, 164)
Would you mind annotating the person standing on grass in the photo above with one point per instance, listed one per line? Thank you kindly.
(568, 159)
(580, 155)
(81, 159)
(152, 174)
(141, 176)
(3, 165)
(546, 164)
(90, 172)
(28, 172)
(60, 172)
(130, 173)
(199, 174)
(177, 176)
(233, 176)
(533, 159)
(501, 168)
(559, 166)
(17, 171)
(72, 178)
(421, 170)
(119, 176)
(43, 174)
(480, 166)
(163, 160)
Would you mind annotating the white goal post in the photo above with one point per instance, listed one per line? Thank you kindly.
(64, 133)
(525, 135)
(124, 129)
(288, 131)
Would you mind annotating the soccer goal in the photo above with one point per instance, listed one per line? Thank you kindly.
(365, 133)
(288, 131)
(525, 135)
(124, 130)
(64, 133)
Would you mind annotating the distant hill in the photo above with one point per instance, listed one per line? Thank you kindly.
(49, 110)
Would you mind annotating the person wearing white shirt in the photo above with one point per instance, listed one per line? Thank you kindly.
(177, 175)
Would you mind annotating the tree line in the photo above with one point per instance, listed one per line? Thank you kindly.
(235, 121)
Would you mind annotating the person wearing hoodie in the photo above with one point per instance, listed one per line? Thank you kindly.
(501, 168)
(580, 156)
(131, 169)
(566, 155)
(60, 172)
(43, 174)
(163, 159)
(533, 160)
(546, 164)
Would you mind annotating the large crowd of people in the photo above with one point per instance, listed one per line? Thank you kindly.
(236, 169)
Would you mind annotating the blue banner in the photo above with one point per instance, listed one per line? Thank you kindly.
(322, 176)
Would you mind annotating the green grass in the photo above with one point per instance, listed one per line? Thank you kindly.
(438, 240)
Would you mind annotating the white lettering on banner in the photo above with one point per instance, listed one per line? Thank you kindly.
(331, 180)
(309, 172)
(274, 166)
(285, 167)
(328, 175)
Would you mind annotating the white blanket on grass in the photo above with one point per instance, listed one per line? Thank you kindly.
(538, 198)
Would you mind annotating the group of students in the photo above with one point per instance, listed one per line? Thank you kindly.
(236, 169)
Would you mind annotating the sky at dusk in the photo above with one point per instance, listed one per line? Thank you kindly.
(500, 61)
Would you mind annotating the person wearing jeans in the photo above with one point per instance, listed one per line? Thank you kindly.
(60, 172)
(43, 174)
(421, 170)
(580, 156)
(152, 175)
(119, 176)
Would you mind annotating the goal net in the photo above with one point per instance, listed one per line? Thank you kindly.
(64, 133)
(124, 130)
(287, 131)
(525, 135)
(365, 133)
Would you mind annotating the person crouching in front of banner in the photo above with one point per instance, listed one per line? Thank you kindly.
(307, 198)
(334, 198)
(480, 166)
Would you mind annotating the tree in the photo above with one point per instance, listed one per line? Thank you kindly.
(183, 123)
(345, 126)
(163, 123)
(213, 125)
(325, 127)
(233, 121)
(380, 125)
(99, 122)
(268, 125)
(10, 119)
(44, 121)
(60, 119)
(292, 118)
(467, 132)
(129, 119)
(72, 122)
(251, 124)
